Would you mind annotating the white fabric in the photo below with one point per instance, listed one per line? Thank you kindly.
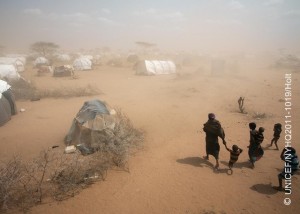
(82, 64)
(9, 72)
(4, 86)
(41, 60)
(15, 61)
(155, 67)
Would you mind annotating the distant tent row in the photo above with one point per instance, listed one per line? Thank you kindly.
(7, 103)
(154, 67)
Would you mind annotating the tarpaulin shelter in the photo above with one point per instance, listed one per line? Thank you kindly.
(94, 119)
(7, 103)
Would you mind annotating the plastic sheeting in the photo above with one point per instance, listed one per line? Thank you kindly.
(9, 72)
(82, 64)
(93, 117)
(155, 67)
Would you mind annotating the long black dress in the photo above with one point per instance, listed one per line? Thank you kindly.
(213, 130)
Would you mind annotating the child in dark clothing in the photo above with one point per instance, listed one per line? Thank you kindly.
(255, 151)
(260, 135)
(277, 131)
(234, 155)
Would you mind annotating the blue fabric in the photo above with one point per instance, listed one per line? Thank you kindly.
(90, 109)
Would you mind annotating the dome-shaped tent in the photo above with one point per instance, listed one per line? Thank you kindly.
(9, 72)
(82, 64)
(41, 61)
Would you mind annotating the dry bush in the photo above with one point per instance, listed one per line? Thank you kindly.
(119, 143)
(76, 172)
(241, 105)
(258, 115)
(26, 90)
(10, 175)
(68, 92)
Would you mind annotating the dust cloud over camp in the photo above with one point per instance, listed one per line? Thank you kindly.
(149, 106)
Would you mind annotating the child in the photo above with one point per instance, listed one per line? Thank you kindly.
(260, 135)
(277, 130)
(289, 156)
(234, 155)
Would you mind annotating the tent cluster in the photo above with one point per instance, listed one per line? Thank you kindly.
(7, 103)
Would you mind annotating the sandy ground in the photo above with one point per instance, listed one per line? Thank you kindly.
(169, 174)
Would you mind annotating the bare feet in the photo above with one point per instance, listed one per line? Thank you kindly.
(205, 157)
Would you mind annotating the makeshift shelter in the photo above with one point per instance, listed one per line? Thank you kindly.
(63, 71)
(41, 61)
(5, 112)
(9, 72)
(7, 103)
(16, 62)
(81, 64)
(93, 120)
(155, 67)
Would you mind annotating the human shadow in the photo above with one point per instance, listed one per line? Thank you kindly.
(240, 165)
(201, 162)
(268, 147)
(196, 161)
(266, 189)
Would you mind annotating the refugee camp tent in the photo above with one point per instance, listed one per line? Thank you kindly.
(41, 61)
(5, 113)
(17, 62)
(9, 72)
(81, 64)
(7, 103)
(94, 119)
(63, 71)
(154, 67)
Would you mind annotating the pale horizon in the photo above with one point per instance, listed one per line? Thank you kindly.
(192, 25)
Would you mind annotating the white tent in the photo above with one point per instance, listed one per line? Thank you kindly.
(82, 64)
(41, 61)
(9, 72)
(155, 67)
(21, 57)
(17, 62)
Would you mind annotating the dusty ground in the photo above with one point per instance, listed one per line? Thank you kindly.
(169, 175)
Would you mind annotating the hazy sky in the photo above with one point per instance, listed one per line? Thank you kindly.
(201, 25)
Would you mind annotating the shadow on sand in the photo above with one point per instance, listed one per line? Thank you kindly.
(201, 162)
(240, 165)
(266, 189)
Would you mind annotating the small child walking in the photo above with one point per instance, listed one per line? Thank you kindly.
(277, 131)
(234, 155)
